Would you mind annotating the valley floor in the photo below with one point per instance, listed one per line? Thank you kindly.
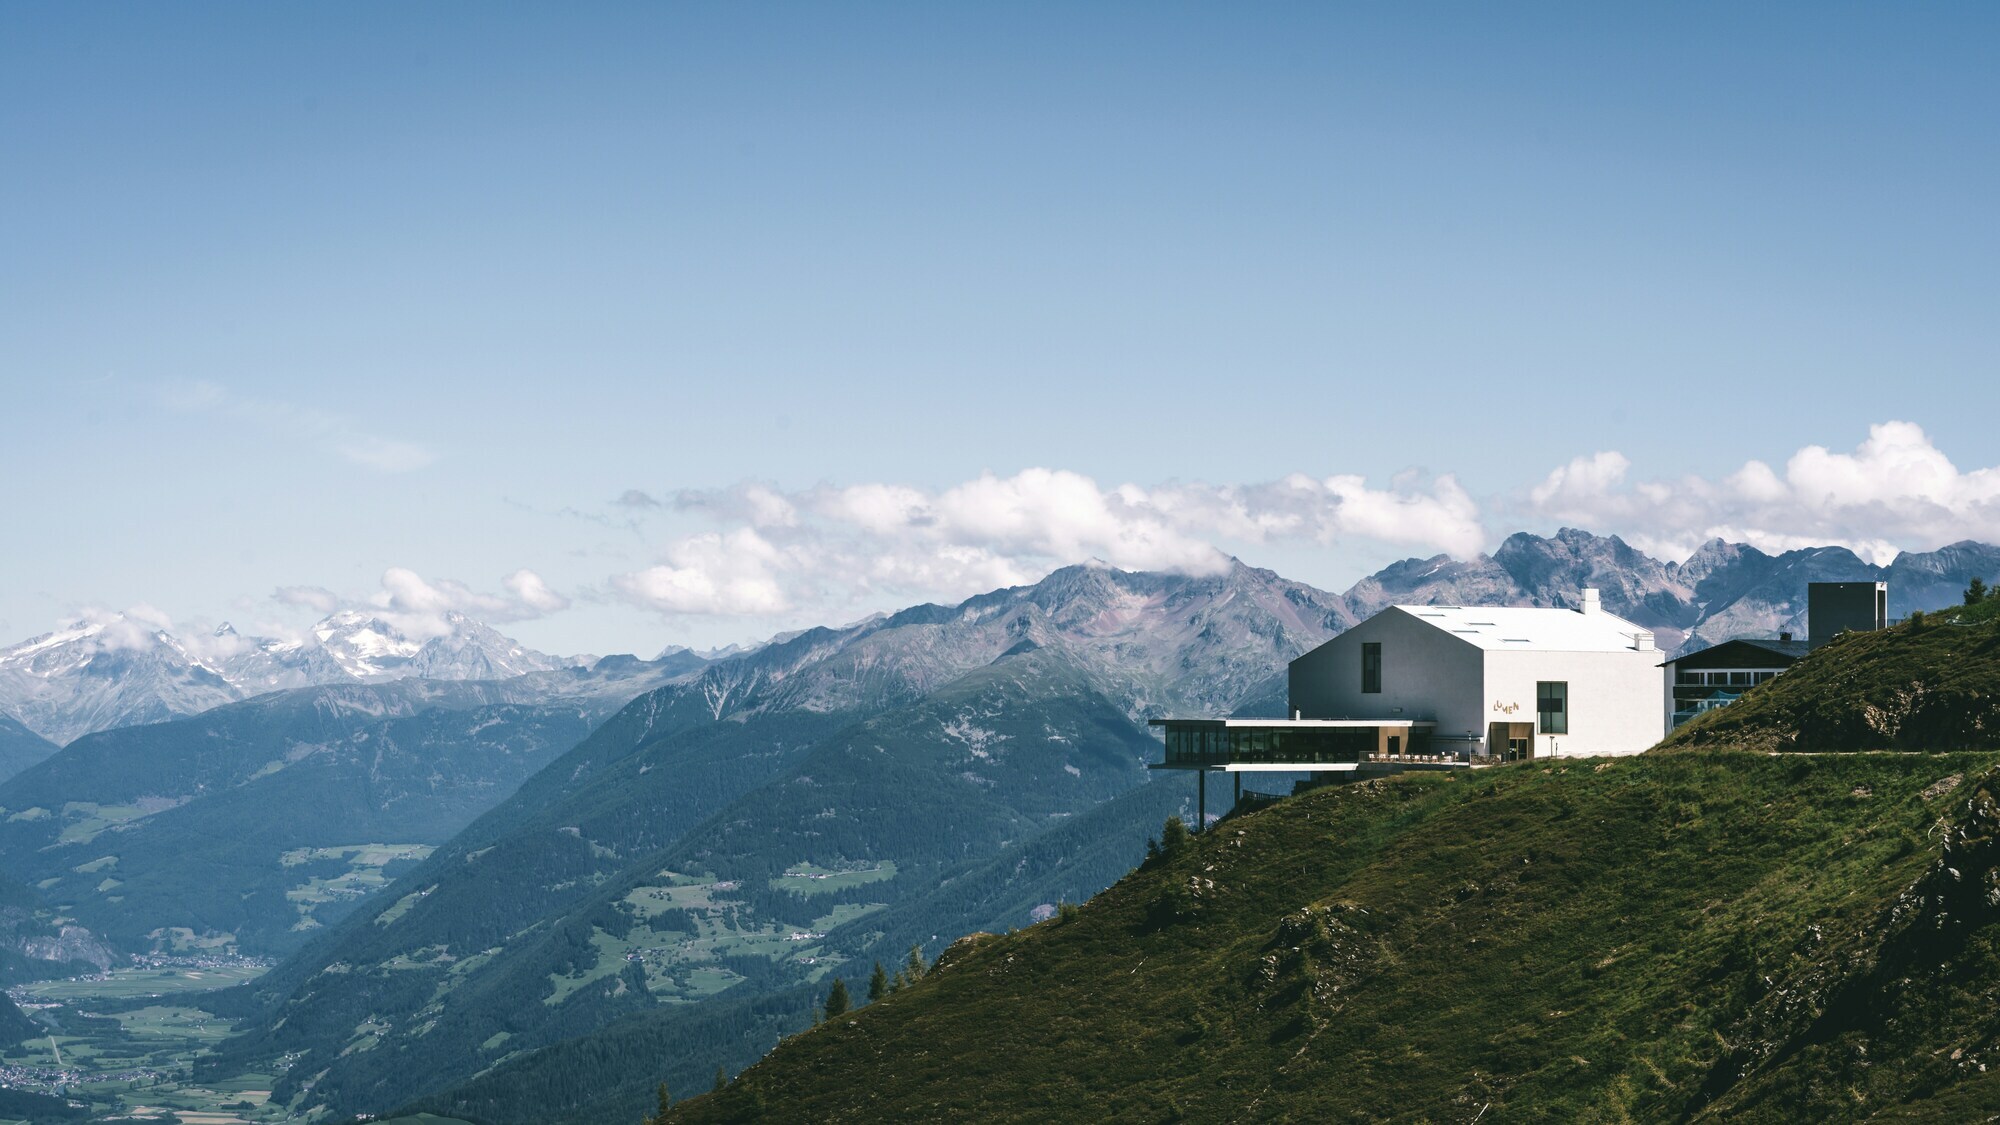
(124, 1044)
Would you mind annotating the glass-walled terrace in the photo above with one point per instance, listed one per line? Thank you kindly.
(1699, 691)
(1214, 744)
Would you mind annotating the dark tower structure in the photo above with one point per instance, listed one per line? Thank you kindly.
(1837, 607)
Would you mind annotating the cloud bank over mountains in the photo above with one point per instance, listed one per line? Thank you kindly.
(772, 558)
(1896, 491)
(775, 552)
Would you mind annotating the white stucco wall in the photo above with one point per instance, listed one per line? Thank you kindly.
(1428, 673)
(1614, 697)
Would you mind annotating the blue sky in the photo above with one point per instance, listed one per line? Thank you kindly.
(292, 296)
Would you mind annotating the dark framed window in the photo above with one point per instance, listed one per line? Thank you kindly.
(1371, 667)
(1552, 706)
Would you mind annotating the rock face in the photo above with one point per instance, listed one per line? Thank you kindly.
(1723, 590)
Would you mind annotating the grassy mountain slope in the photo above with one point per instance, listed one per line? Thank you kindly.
(20, 747)
(1648, 938)
(1932, 684)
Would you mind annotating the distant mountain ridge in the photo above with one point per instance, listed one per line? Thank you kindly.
(256, 822)
(116, 672)
(1721, 591)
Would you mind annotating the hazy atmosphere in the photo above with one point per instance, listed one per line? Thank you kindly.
(650, 324)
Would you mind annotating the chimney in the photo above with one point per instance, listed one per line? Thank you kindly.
(1784, 636)
(1591, 604)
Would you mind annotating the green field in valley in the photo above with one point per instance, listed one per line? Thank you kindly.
(125, 1057)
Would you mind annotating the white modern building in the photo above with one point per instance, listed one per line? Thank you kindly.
(1495, 681)
(1445, 686)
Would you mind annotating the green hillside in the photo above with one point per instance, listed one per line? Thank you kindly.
(1931, 683)
(1703, 934)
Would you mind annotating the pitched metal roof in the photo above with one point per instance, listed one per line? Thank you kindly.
(1548, 630)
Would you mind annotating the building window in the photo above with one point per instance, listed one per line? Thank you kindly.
(1552, 704)
(1371, 667)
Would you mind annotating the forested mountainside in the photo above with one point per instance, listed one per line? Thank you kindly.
(249, 826)
(37, 943)
(795, 790)
(20, 748)
(1714, 934)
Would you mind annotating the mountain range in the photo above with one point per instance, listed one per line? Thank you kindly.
(1708, 932)
(524, 864)
(248, 826)
(118, 671)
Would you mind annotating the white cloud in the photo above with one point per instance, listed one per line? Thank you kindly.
(417, 606)
(329, 432)
(319, 599)
(534, 593)
(733, 574)
(132, 630)
(835, 547)
(1894, 491)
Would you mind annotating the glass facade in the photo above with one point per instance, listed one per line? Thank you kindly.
(1193, 744)
(1552, 706)
(1705, 690)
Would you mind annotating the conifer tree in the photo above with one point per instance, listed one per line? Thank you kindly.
(1173, 836)
(836, 999)
(721, 1079)
(1975, 592)
(659, 1116)
(878, 984)
(914, 968)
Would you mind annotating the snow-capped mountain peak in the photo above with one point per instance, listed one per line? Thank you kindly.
(114, 670)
